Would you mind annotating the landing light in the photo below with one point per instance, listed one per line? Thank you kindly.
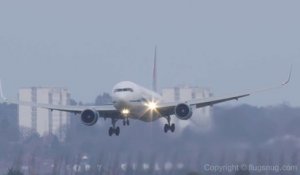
(125, 112)
(151, 105)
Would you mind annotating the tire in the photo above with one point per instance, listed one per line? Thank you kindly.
(124, 122)
(172, 127)
(127, 122)
(166, 128)
(110, 131)
(117, 131)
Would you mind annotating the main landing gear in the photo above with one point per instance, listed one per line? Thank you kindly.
(168, 126)
(114, 130)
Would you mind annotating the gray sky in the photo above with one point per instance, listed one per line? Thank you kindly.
(88, 46)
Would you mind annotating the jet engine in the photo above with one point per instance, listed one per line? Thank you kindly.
(89, 117)
(183, 111)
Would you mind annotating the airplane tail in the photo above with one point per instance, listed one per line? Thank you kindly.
(154, 78)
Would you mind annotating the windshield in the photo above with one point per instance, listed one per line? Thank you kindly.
(124, 90)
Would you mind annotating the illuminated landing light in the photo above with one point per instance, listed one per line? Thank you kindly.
(151, 105)
(125, 112)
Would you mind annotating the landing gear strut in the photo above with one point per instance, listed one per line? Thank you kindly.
(114, 130)
(169, 126)
(126, 122)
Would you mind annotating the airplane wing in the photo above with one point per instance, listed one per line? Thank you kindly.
(2, 98)
(166, 109)
(105, 111)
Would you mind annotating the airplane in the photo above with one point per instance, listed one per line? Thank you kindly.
(132, 101)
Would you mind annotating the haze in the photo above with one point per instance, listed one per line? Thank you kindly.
(88, 46)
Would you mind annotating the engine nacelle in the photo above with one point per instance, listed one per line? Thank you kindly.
(183, 111)
(89, 117)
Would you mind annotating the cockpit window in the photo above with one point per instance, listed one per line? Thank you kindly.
(128, 89)
(124, 90)
(117, 90)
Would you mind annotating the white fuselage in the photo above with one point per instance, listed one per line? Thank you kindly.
(131, 100)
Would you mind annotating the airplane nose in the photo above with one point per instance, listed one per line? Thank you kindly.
(121, 97)
(120, 100)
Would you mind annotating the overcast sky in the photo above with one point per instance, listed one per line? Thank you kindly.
(88, 46)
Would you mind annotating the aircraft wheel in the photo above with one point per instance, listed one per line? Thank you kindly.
(124, 122)
(127, 122)
(110, 131)
(172, 127)
(117, 131)
(166, 128)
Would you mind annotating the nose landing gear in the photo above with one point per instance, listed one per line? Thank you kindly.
(126, 122)
(169, 126)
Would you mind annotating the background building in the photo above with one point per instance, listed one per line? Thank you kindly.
(201, 117)
(39, 120)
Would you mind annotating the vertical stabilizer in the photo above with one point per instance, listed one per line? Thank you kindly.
(154, 80)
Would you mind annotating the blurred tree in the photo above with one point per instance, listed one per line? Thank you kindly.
(103, 99)
(14, 172)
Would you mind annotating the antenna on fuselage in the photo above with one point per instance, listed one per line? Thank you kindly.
(154, 78)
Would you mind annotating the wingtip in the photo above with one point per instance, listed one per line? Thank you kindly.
(289, 77)
(2, 97)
